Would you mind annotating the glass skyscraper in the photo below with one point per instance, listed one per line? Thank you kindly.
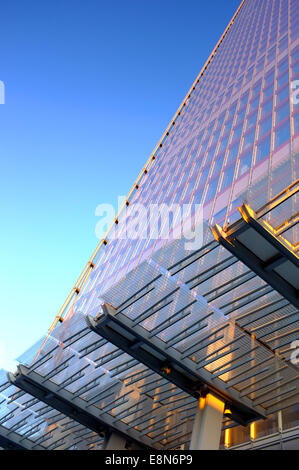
(237, 126)
(235, 138)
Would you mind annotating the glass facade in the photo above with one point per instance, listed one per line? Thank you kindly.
(238, 125)
(235, 138)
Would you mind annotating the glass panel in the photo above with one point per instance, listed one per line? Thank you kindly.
(254, 103)
(248, 139)
(244, 163)
(211, 189)
(227, 177)
(283, 79)
(252, 119)
(233, 152)
(267, 108)
(267, 92)
(282, 112)
(282, 134)
(263, 149)
(296, 123)
(265, 126)
(282, 94)
(237, 132)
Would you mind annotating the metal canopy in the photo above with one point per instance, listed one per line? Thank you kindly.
(202, 315)
(27, 423)
(223, 325)
(65, 402)
(134, 399)
(11, 440)
(153, 352)
(239, 340)
(269, 255)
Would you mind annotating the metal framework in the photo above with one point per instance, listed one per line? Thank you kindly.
(219, 320)
(71, 406)
(183, 323)
(263, 248)
(11, 440)
(91, 262)
(152, 352)
(127, 395)
(28, 423)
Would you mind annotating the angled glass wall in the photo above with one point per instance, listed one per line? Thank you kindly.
(238, 127)
(235, 139)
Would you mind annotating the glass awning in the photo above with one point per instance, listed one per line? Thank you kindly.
(205, 311)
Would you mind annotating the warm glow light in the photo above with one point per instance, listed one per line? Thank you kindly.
(227, 410)
(253, 431)
(245, 210)
(227, 438)
(202, 402)
(215, 402)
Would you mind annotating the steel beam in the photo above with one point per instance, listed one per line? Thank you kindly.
(11, 440)
(72, 406)
(167, 362)
(234, 241)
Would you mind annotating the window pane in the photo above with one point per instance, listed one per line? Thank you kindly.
(260, 64)
(241, 115)
(227, 126)
(220, 122)
(210, 154)
(282, 134)
(284, 78)
(257, 88)
(296, 123)
(283, 65)
(254, 103)
(233, 152)
(204, 146)
(223, 144)
(251, 120)
(218, 164)
(282, 94)
(267, 92)
(265, 126)
(244, 99)
(204, 175)
(244, 163)
(231, 111)
(269, 78)
(227, 177)
(237, 132)
(267, 108)
(271, 54)
(295, 68)
(211, 189)
(248, 139)
(263, 149)
(295, 54)
(282, 112)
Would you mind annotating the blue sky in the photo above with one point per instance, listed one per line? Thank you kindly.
(90, 87)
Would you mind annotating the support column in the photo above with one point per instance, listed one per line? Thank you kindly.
(115, 442)
(207, 425)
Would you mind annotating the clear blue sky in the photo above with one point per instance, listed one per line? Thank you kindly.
(90, 87)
